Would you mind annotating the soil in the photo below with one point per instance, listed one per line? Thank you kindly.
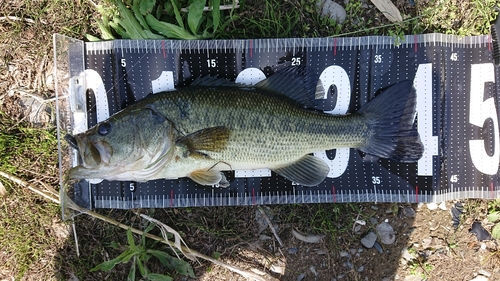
(439, 251)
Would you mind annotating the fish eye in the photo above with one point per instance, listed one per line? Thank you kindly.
(104, 129)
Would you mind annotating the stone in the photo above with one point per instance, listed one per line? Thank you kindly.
(369, 239)
(385, 233)
(344, 254)
(409, 212)
(432, 206)
(442, 206)
(333, 10)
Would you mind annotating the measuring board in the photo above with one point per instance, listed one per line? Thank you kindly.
(457, 113)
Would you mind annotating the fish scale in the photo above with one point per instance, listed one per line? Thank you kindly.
(262, 127)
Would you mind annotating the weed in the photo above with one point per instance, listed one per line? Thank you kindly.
(140, 255)
(458, 17)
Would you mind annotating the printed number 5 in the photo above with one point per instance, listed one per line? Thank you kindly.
(480, 110)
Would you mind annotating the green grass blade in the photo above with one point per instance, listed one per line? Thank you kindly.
(195, 12)
(216, 13)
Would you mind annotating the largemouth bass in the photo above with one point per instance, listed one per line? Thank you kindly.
(215, 125)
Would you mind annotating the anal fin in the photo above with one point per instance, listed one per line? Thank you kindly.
(308, 171)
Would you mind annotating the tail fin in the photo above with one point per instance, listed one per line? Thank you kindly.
(391, 116)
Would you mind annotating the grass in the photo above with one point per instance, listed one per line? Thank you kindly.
(26, 221)
(31, 224)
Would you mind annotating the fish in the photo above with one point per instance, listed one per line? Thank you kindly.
(215, 125)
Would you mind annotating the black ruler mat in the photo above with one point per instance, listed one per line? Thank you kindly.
(457, 113)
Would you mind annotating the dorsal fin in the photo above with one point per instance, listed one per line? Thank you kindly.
(295, 82)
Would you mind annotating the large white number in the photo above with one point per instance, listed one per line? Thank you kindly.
(336, 75)
(480, 110)
(423, 85)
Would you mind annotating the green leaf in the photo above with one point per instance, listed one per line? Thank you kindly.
(146, 6)
(168, 29)
(178, 17)
(105, 29)
(216, 255)
(130, 238)
(493, 217)
(138, 15)
(151, 35)
(108, 265)
(216, 13)
(129, 22)
(195, 11)
(158, 277)
(148, 229)
(495, 232)
(119, 29)
(174, 263)
(92, 38)
(131, 273)
(142, 268)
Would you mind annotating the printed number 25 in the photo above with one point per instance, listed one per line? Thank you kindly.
(480, 110)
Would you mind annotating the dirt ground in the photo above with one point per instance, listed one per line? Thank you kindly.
(427, 246)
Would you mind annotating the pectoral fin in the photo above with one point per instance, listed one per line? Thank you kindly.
(209, 139)
(210, 177)
(308, 171)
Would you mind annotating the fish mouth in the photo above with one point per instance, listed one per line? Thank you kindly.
(92, 153)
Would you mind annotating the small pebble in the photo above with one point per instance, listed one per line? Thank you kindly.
(432, 206)
(480, 278)
(378, 247)
(442, 206)
(484, 272)
(301, 276)
(406, 255)
(409, 212)
(361, 268)
(313, 270)
(386, 233)
(333, 10)
(344, 254)
(292, 250)
(373, 220)
(373, 207)
(369, 239)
